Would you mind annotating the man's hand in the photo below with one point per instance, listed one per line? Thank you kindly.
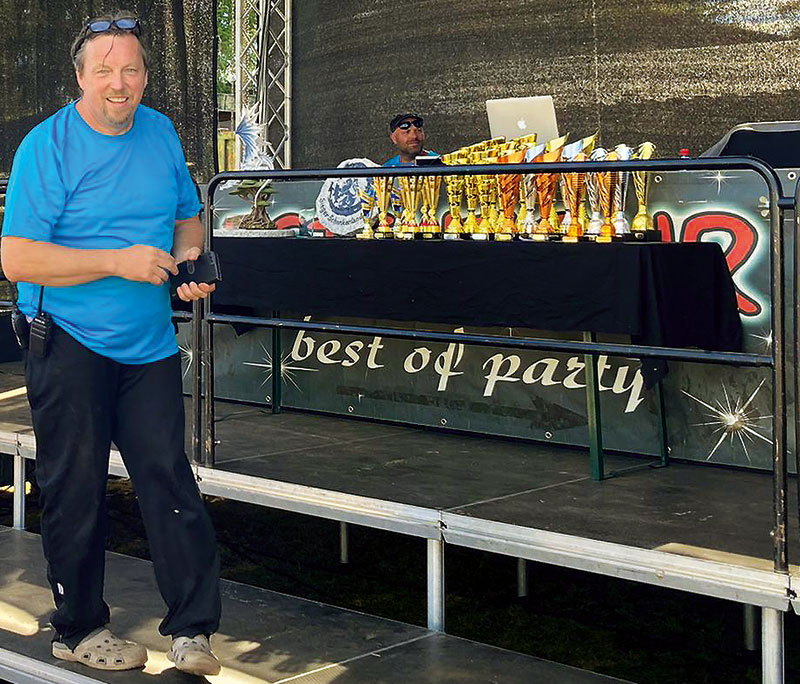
(191, 292)
(145, 264)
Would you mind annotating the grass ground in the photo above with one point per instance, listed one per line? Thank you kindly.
(632, 631)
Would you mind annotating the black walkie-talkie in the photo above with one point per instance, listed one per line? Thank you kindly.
(41, 330)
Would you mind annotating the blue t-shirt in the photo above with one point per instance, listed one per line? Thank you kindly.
(76, 187)
(395, 161)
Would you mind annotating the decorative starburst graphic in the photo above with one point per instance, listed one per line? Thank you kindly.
(287, 371)
(733, 420)
(765, 337)
(187, 358)
(720, 177)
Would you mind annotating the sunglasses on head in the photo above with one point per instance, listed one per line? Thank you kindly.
(406, 125)
(125, 24)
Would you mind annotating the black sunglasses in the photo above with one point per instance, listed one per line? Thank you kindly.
(406, 125)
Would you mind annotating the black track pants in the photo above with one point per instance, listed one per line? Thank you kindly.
(81, 402)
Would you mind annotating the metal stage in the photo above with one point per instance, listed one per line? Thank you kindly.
(689, 527)
(285, 639)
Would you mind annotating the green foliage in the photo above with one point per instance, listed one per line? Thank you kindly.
(225, 56)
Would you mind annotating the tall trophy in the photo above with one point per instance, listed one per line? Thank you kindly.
(482, 229)
(429, 226)
(383, 196)
(621, 225)
(410, 194)
(471, 196)
(595, 222)
(606, 183)
(546, 184)
(569, 155)
(455, 190)
(509, 184)
(642, 227)
(367, 198)
(527, 223)
(574, 189)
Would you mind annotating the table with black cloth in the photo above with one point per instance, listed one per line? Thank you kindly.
(671, 295)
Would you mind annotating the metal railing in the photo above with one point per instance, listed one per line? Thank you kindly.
(203, 382)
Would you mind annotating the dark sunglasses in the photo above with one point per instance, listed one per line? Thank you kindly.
(126, 24)
(406, 125)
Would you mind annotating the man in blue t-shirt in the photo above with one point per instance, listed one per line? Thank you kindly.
(408, 135)
(99, 210)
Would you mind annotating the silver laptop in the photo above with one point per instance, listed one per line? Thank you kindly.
(514, 117)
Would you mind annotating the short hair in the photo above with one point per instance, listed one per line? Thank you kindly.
(85, 36)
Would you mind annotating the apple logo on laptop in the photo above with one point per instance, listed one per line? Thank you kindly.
(522, 124)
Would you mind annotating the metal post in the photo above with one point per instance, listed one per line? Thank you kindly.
(277, 368)
(750, 621)
(19, 492)
(344, 545)
(522, 578)
(237, 85)
(663, 437)
(593, 412)
(208, 384)
(196, 413)
(771, 646)
(436, 585)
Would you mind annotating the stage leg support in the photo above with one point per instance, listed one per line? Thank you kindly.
(593, 413)
(344, 543)
(436, 585)
(19, 492)
(771, 646)
(750, 626)
(522, 578)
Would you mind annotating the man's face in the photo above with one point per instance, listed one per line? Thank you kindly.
(113, 80)
(409, 140)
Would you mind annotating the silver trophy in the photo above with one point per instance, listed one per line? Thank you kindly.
(532, 155)
(621, 225)
(593, 194)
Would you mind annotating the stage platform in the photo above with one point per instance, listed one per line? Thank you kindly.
(692, 527)
(264, 636)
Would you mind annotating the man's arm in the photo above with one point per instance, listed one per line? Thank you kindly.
(43, 263)
(187, 246)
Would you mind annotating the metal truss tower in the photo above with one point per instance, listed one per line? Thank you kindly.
(263, 65)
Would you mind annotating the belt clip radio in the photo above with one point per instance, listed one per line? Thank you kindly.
(41, 331)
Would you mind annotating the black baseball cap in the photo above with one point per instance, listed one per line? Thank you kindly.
(394, 123)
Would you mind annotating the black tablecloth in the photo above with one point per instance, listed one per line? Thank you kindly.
(675, 295)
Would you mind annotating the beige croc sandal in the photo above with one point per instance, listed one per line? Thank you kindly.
(103, 651)
(194, 656)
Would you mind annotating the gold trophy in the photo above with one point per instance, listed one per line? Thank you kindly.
(528, 223)
(642, 227)
(383, 195)
(483, 229)
(431, 187)
(455, 190)
(471, 195)
(606, 183)
(546, 184)
(367, 206)
(574, 189)
(410, 195)
(509, 184)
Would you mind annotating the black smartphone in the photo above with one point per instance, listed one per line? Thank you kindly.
(204, 270)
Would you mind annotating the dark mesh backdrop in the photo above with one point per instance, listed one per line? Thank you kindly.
(679, 73)
(36, 75)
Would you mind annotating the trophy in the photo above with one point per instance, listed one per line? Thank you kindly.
(383, 194)
(621, 225)
(455, 190)
(509, 186)
(482, 229)
(573, 189)
(410, 194)
(367, 206)
(471, 196)
(431, 187)
(642, 227)
(569, 155)
(593, 194)
(606, 182)
(546, 188)
(530, 226)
